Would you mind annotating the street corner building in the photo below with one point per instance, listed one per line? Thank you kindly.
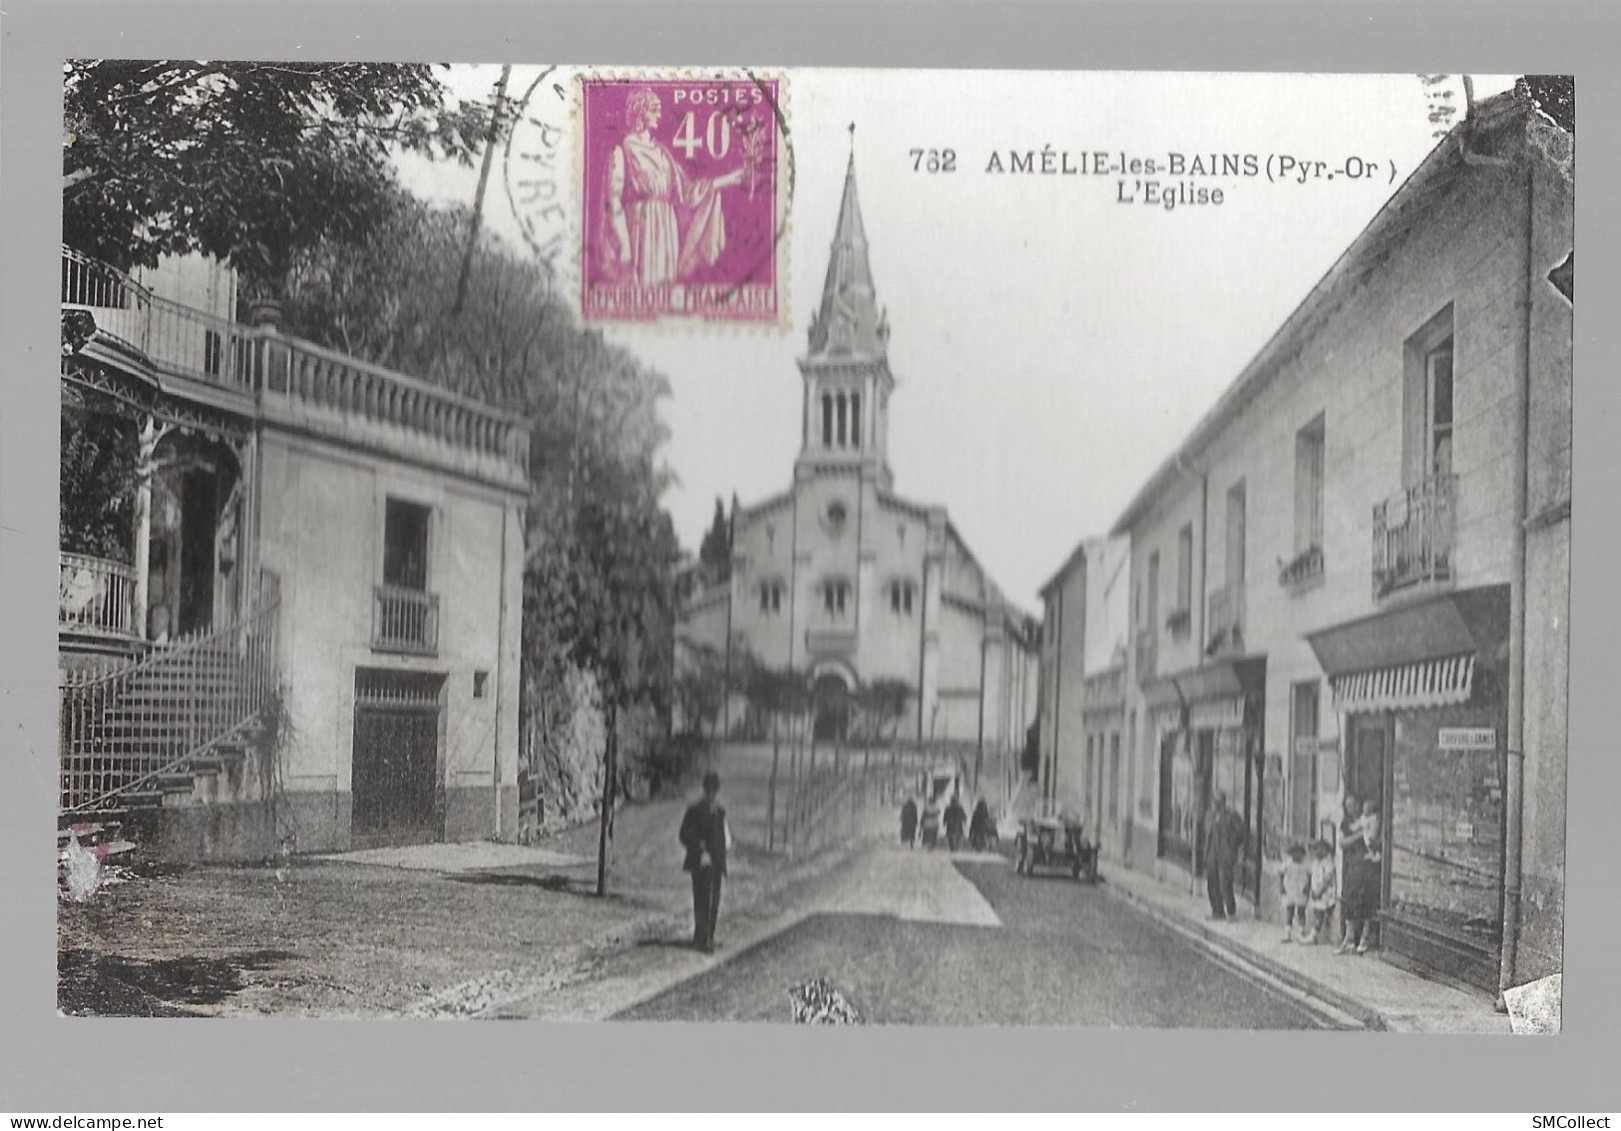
(842, 580)
(304, 631)
(1352, 578)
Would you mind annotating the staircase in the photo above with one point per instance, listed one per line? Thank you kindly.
(137, 733)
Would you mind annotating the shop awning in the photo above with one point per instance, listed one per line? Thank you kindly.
(1452, 624)
(1429, 683)
(1225, 679)
(1161, 693)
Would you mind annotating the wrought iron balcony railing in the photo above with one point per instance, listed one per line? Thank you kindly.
(95, 595)
(1306, 567)
(405, 620)
(1413, 533)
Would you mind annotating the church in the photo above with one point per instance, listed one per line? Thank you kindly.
(844, 580)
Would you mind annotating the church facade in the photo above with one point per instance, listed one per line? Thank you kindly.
(842, 579)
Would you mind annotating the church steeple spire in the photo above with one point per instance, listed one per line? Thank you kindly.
(848, 323)
(846, 369)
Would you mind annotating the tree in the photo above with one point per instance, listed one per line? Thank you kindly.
(249, 162)
(715, 552)
(98, 476)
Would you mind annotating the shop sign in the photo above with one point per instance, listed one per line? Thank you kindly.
(1307, 745)
(1467, 738)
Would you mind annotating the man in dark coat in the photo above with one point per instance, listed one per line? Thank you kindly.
(1224, 842)
(704, 836)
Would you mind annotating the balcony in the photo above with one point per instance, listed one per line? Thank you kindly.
(830, 640)
(95, 596)
(1413, 532)
(1105, 691)
(1305, 570)
(263, 371)
(405, 620)
(1146, 648)
(1225, 618)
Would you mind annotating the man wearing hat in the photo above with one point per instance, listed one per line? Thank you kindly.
(704, 835)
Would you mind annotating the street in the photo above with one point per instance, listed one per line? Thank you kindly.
(487, 930)
(973, 943)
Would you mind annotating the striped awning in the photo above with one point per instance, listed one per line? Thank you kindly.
(1431, 683)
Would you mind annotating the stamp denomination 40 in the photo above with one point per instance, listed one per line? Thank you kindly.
(683, 208)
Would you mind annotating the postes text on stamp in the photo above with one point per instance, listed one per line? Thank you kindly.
(681, 217)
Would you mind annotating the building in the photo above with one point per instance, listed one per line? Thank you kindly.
(305, 631)
(1083, 706)
(842, 579)
(1351, 579)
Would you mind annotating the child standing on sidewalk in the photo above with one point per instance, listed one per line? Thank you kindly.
(1295, 881)
(1321, 894)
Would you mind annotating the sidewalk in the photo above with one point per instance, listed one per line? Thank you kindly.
(1378, 994)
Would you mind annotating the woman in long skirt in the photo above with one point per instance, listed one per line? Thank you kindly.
(1359, 893)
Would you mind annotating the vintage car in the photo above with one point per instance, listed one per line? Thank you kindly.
(1049, 842)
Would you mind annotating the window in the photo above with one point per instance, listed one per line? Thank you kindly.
(1153, 590)
(1427, 401)
(1438, 381)
(405, 545)
(835, 596)
(771, 597)
(1184, 569)
(212, 349)
(1235, 535)
(836, 514)
(843, 420)
(855, 420)
(1309, 487)
(827, 420)
(770, 539)
(901, 595)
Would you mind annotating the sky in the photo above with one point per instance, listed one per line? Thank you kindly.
(1051, 344)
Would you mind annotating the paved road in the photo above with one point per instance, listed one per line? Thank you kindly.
(910, 938)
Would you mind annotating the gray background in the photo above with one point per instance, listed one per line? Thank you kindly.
(51, 1064)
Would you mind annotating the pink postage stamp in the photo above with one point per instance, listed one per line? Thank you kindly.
(684, 205)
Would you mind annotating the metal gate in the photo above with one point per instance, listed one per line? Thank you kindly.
(396, 789)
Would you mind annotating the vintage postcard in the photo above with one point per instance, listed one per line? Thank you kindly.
(814, 546)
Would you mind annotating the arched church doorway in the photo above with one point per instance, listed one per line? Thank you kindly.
(831, 693)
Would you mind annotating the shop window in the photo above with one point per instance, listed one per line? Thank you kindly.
(1303, 723)
(1114, 777)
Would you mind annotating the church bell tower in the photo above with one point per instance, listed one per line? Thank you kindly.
(846, 367)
